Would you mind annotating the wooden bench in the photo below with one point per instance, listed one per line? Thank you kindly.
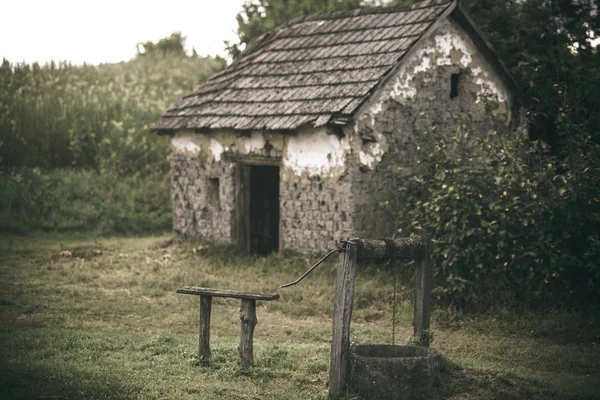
(247, 317)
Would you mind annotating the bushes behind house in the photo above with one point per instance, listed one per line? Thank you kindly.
(510, 223)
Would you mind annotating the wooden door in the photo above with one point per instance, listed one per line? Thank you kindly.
(242, 207)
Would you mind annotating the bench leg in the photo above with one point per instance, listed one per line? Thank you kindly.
(204, 346)
(248, 318)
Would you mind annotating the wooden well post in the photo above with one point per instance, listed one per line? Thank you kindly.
(355, 251)
(342, 316)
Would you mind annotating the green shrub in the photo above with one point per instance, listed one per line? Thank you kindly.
(509, 223)
(83, 201)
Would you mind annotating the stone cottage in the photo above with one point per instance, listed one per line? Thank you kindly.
(291, 148)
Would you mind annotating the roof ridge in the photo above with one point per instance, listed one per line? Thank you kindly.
(253, 48)
(331, 15)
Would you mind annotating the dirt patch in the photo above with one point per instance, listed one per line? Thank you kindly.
(82, 252)
(163, 244)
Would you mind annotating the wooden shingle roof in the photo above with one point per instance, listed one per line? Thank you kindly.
(312, 70)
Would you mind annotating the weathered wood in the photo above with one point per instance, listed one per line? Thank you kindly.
(249, 321)
(376, 249)
(195, 290)
(247, 316)
(204, 344)
(342, 316)
(242, 207)
(423, 287)
(310, 83)
(254, 160)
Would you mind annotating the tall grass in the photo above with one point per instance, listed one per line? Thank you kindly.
(83, 201)
(76, 153)
(60, 115)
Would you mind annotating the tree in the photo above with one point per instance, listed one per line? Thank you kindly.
(547, 45)
(173, 45)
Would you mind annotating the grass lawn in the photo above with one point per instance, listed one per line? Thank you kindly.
(99, 318)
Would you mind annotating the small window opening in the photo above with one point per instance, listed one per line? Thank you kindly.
(454, 85)
(212, 196)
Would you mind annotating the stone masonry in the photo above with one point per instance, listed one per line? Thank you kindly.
(315, 196)
(414, 103)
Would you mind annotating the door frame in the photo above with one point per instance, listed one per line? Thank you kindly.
(242, 198)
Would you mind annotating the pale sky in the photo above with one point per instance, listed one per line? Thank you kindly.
(108, 31)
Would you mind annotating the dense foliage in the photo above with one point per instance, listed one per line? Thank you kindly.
(83, 201)
(76, 152)
(514, 223)
(60, 115)
(510, 223)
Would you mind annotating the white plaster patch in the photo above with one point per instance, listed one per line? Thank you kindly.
(476, 71)
(216, 148)
(185, 144)
(488, 88)
(402, 88)
(316, 153)
(372, 156)
(376, 108)
(256, 142)
(424, 66)
(448, 41)
(371, 153)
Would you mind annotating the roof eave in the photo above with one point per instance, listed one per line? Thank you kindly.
(162, 131)
(335, 121)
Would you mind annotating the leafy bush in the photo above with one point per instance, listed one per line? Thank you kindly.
(510, 224)
(83, 200)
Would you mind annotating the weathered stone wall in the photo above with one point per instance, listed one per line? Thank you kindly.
(316, 202)
(315, 192)
(201, 207)
(412, 103)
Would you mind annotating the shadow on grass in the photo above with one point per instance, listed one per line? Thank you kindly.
(458, 383)
(27, 381)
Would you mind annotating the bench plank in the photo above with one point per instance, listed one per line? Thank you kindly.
(195, 290)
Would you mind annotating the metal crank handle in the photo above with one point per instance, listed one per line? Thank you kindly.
(311, 268)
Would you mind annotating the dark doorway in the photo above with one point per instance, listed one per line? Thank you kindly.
(264, 209)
